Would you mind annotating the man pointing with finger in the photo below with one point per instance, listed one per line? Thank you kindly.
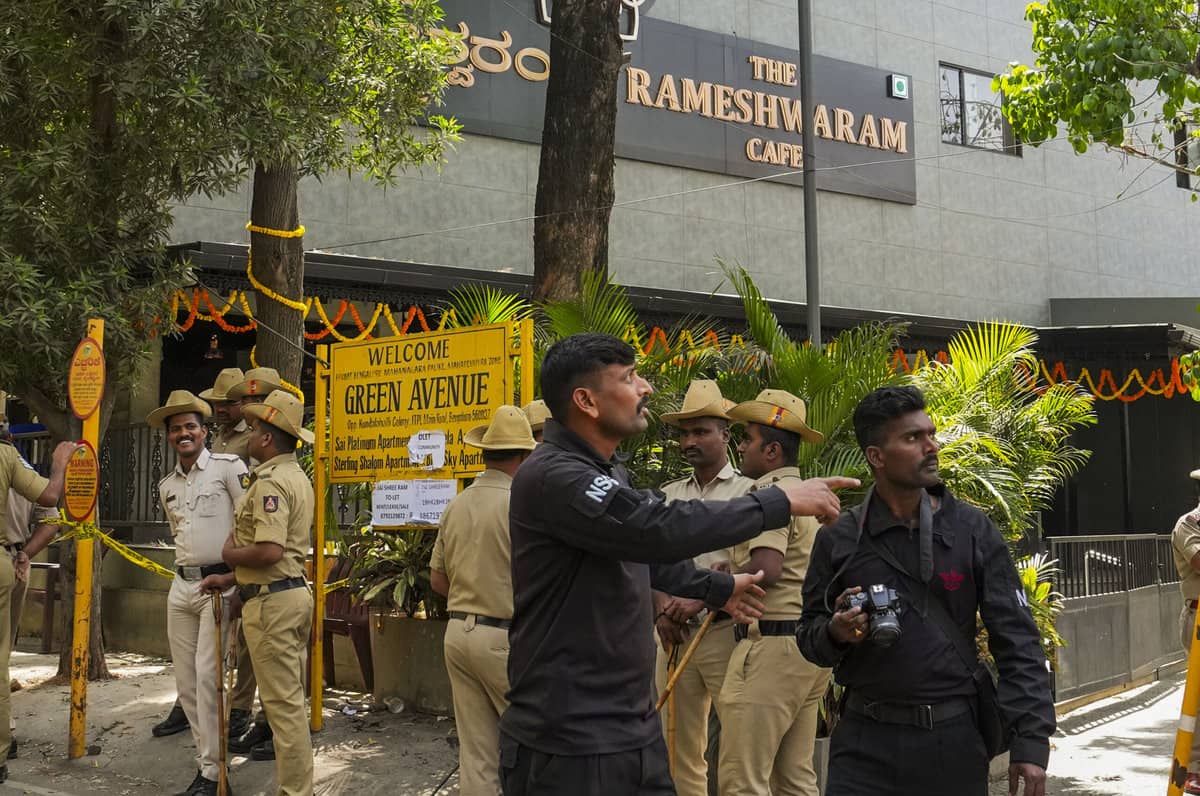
(586, 550)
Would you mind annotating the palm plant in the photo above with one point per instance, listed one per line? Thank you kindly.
(1005, 435)
(831, 381)
(476, 304)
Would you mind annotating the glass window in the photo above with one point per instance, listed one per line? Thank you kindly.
(971, 111)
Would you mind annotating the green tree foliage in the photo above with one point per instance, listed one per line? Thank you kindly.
(1091, 56)
(1005, 434)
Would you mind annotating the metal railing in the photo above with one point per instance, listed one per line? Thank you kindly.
(1108, 564)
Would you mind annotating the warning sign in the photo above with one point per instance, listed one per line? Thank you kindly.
(399, 407)
(80, 483)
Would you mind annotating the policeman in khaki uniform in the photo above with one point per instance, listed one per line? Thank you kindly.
(271, 537)
(19, 476)
(537, 413)
(198, 497)
(233, 435)
(253, 387)
(471, 567)
(1185, 546)
(769, 700)
(703, 425)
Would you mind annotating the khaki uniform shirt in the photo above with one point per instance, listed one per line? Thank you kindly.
(1185, 543)
(21, 515)
(199, 506)
(473, 548)
(18, 475)
(794, 541)
(277, 507)
(236, 441)
(728, 484)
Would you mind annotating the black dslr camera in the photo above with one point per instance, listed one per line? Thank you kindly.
(882, 607)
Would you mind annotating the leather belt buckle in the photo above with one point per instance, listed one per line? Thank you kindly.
(190, 573)
(924, 716)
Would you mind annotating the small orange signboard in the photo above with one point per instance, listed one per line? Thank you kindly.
(81, 484)
(85, 380)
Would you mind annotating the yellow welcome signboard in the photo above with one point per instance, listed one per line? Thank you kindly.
(399, 407)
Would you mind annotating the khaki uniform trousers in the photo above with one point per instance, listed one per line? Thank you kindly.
(16, 605)
(242, 696)
(7, 579)
(1187, 624)
(477, 662)
(697, 688)
(192, 634)
(277, 627)
(768, 710)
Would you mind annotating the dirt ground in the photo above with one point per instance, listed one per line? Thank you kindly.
(363, 749)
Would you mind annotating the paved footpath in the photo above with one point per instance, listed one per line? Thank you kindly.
(1118, 747)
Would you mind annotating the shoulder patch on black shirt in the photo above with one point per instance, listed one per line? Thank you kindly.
(591, 496)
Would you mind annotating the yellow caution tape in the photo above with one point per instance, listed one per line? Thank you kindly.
(89, 530)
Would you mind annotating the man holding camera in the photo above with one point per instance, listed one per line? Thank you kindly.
(921, 716)
(769, 699)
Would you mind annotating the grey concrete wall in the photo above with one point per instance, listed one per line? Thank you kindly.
(134, 603)
(1116, 638)
(992, 235)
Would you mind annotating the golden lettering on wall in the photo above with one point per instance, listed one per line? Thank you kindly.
(493, 57)
(761, 109)
(765, 110)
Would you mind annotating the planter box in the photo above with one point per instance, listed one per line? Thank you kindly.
(409, 663)
(134, 602)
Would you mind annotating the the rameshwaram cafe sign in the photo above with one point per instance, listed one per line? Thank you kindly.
(693, 98)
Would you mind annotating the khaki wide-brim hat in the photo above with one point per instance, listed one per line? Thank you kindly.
(226, 380)
(258, 381)
(702, 399)
(284, 411)
(508, 431)
(1195, 475)
(537, 413)
(777, 409)
(178, 402)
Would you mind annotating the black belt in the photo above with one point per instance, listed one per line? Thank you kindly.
(200, 573)
(480, 619)
(249, 592)
(767, 627)
(924, 716)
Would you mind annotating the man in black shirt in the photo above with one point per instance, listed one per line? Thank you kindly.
(586, 551)
(909, 724)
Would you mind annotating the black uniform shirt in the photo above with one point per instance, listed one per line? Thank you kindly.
(586, 550)
(972, 571)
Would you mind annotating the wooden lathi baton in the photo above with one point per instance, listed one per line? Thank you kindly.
(222, 716)
(683, 662)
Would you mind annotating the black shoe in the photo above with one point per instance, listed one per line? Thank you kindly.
(205, 787)
(239, 722)
(257, 733)
(12, 749)
(264, 751)
(192, 788)
(3, 773)
(176, 721)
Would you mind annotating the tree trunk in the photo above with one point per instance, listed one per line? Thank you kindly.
(278, 264)
(575, 176)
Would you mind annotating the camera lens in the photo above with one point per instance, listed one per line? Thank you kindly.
(885, 629)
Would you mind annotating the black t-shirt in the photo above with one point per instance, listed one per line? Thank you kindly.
(586, 551)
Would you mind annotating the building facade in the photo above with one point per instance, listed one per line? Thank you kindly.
(991, 229)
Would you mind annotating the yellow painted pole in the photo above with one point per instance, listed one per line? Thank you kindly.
(1187, 717)
(77, 741)
(526, 332)
(316, 666)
